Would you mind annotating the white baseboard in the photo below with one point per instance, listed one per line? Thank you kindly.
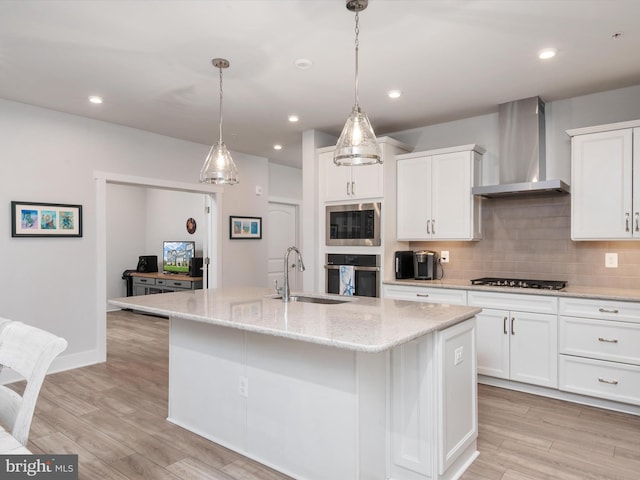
(59, 364)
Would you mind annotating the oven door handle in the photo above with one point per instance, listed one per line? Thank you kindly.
(362, 269)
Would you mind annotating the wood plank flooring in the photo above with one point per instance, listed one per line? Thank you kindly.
(113, 416)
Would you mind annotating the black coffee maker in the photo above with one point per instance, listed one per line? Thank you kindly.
(425, 265)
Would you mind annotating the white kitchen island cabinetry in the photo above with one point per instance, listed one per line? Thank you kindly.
(605, 182)
(368, 389)
(434, 200)
(517, 337)
(599, 344)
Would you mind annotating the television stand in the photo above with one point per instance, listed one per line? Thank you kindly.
(161, 282)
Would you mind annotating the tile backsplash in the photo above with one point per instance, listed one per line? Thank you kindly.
(531, 238)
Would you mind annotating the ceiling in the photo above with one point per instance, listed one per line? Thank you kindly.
(151, 61)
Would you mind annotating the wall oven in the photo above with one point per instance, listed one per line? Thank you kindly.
(366, 270)
(353, 225)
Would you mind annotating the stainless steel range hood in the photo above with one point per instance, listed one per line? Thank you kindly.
(522, 152)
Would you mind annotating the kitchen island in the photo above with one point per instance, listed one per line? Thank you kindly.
(367, 388)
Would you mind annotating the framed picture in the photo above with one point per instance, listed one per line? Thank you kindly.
(32, 219)
(245, 227)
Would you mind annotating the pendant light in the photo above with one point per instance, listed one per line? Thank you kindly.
(218, 167)
(357, 144)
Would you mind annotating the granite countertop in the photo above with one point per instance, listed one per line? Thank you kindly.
(596, 293)
(362, 323)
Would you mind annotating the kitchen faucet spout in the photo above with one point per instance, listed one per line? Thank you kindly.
(286, 293)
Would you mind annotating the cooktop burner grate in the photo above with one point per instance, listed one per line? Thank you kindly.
(513, 282)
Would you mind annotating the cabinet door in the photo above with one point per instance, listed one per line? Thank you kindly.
(451, 199)
(601, 185)
(636, 182)
(413, 198)
(367, 181)
(492, 327)
(350, 183)
(534, 348)
(337, 180)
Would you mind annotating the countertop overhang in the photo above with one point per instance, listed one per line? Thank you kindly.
(361, 323)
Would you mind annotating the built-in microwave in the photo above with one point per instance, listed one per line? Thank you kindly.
(356, 224)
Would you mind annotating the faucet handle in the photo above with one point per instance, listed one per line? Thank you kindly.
(275, 285)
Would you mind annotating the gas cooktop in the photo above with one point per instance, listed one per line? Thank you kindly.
(513, 282)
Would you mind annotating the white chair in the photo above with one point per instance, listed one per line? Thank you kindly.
(29, 352)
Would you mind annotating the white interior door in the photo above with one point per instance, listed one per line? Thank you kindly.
(282, 233)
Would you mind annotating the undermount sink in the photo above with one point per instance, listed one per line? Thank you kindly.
(310, 299)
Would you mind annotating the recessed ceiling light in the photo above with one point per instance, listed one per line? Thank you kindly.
(293, 118)
(95, 99)
(394, 93)
(277, 146)
(547, 53)
(303, 63)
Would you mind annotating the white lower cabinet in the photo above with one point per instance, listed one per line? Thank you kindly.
(425, 294)
(517, 344)
(599, 344)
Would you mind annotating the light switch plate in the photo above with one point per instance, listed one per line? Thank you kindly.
(611, 260)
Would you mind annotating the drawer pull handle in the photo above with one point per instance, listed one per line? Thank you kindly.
(604, 310)
(504, 325)
(513, 332)
(604, 380)
(608, 340)
(422, 294)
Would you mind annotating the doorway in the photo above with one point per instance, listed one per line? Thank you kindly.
(211, 247)
(282, 232)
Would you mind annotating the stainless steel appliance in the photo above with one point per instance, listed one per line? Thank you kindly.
(366, 273)
(425, 265)
(404, 264)
(513, 282)
(355, 224)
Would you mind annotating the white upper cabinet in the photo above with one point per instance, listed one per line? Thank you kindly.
(434, 199)
(605, 182)
(351, 183)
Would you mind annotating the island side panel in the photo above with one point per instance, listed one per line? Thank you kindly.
(310, 411)
(305, 415)
(205, 365)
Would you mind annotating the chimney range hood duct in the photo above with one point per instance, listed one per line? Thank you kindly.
(522, 152)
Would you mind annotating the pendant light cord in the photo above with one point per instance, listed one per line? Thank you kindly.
(220, 105)
(357, 48)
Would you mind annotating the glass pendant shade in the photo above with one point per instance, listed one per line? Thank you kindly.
(219, 167)
(357, 144)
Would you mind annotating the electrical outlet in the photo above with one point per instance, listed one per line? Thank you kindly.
(458, 355)
(243, 386)
(444, 256)
(611, 260)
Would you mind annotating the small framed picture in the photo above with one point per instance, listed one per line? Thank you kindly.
(245, 228)
(33, 219)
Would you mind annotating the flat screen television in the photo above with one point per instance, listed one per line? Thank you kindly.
(176, 255)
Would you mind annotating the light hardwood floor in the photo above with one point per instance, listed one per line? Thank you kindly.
(113, 416)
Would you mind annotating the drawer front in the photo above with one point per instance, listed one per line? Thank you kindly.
(426, 294)
(603, 309)
(177, 283)
(599, 378)
(602, 339)
(513, 301)
(144, 281)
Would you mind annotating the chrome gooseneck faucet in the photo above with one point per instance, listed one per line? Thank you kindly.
(286, 294)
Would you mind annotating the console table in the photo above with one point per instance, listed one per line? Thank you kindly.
(158, 282)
